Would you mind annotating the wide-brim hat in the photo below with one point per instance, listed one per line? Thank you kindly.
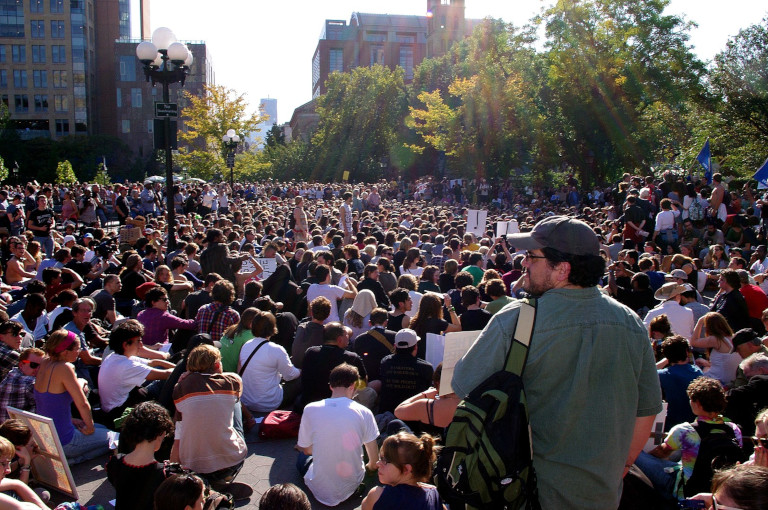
(668, 291)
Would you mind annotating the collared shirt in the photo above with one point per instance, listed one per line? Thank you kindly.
(226, 316)
(16, 390)
(9, 359)
(680, 317)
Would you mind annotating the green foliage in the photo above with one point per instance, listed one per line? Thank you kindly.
(102, 176)
(64, 173)
(3, 170)
(275, 136)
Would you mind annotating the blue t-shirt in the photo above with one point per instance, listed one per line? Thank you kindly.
(674, 383)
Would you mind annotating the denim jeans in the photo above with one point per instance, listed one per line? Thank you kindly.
(303, 461)
(47, 244)
(661, 472)
(83, 447)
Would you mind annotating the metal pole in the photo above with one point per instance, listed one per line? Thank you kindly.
(232, 179)
(171, 245)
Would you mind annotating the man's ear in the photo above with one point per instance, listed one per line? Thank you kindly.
(562, 271)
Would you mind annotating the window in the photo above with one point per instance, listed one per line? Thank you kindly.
(41, 102)
(315, 69)
(126, 125)
(119, 98)
(57, 29)
(60, 79)
(4, 99)
(11, 18)
(40, 79)
(336, 60)
(150, 126)
(38, 29)
(36, 6)
(3, 78)
(406, 61)
(18, 53)
(377, 54)
(136, 98)
(62, 127)
(21, 103)
(38, 53)
(58, 54)
(57, 5)
(2, 52)
(376, 36)
(61, 103)
(128, 68)
(19, 79)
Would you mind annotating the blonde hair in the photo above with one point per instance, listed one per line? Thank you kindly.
(7, 449)
(203, 358)
(405, 448)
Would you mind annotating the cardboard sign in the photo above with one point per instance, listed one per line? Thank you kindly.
(345, 175)
(269, 266)
(504, 228)
(657, 432)
(50, 467)
(456, 345)
(476, 222)
(435, 348)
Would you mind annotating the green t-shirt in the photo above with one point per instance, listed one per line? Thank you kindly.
(230, 350)
(477, 274)
(590, 374)
(497, 304)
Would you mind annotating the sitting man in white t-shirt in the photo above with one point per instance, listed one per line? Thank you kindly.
(332, 292)
(123, 374)
(331, 439)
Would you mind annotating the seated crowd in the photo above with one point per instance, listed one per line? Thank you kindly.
(329, 308)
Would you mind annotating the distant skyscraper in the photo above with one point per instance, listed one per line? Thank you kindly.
(269, 107)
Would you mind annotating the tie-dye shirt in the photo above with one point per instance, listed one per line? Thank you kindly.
(685, 438)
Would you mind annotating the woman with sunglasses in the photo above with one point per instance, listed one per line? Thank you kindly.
(741, 487)
(157, 320)
(405, 464)
(57, 388)
(25, 497)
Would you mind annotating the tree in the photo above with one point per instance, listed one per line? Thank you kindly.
(359, 118)
(64, 173)
(275, 136)
(207, 118)
(3, 170)
(102, 176)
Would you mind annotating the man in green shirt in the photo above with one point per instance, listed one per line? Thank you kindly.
(590, 378)
(498, 292)
(475, 268)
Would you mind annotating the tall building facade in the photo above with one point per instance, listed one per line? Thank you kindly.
(389, 40)
(48, 65)
(269, 107)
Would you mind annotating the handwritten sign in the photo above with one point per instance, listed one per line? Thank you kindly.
(476, 222)
(269, 266)
(504, 228)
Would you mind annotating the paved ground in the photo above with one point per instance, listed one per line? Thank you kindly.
(268, 463)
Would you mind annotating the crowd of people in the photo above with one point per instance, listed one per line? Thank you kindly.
(323, 299)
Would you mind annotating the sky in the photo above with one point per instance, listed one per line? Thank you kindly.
(264, 48)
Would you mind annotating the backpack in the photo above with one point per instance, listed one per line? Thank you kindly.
(487, 458)
(718, 449)
(292, 220)
(696, 210)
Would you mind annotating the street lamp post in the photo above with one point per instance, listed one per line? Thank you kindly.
(230, 144)
(166, 61)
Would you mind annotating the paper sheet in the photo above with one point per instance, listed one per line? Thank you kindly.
(456, 345)
(476, 222)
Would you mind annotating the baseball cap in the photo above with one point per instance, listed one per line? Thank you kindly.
(744, 336)
(564, 234)
(68, 239)
(406, 338)
(86, 236)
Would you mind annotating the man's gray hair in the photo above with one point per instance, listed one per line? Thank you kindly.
(754, 363)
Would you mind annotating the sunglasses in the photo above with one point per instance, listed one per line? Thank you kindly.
(717, 506)
(383, 460)
(32, 364)
(759, 441)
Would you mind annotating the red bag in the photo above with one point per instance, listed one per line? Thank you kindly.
(280, 425)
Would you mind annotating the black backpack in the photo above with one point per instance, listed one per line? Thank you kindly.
(718, 449)
(292, 220)
(487, 458)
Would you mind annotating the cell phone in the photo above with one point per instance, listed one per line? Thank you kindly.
(691, 503)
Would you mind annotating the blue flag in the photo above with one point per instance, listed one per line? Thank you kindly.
(761, 176)
(705, 159)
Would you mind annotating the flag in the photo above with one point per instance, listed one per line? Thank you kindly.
(761, 176)
(705, 159)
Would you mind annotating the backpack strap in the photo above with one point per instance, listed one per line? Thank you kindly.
(242, 369)
(382, 339)
(521, 340)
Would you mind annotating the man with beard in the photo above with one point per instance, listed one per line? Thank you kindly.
(590, 370)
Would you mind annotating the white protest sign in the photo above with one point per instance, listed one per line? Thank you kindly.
(476, 222)
(456, 345)
(435, 348)
(504, 228)
(657, 432)
(269, 266)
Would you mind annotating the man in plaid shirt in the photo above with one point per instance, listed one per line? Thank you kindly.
(216, 317)
(17, 389)
(10, 342)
